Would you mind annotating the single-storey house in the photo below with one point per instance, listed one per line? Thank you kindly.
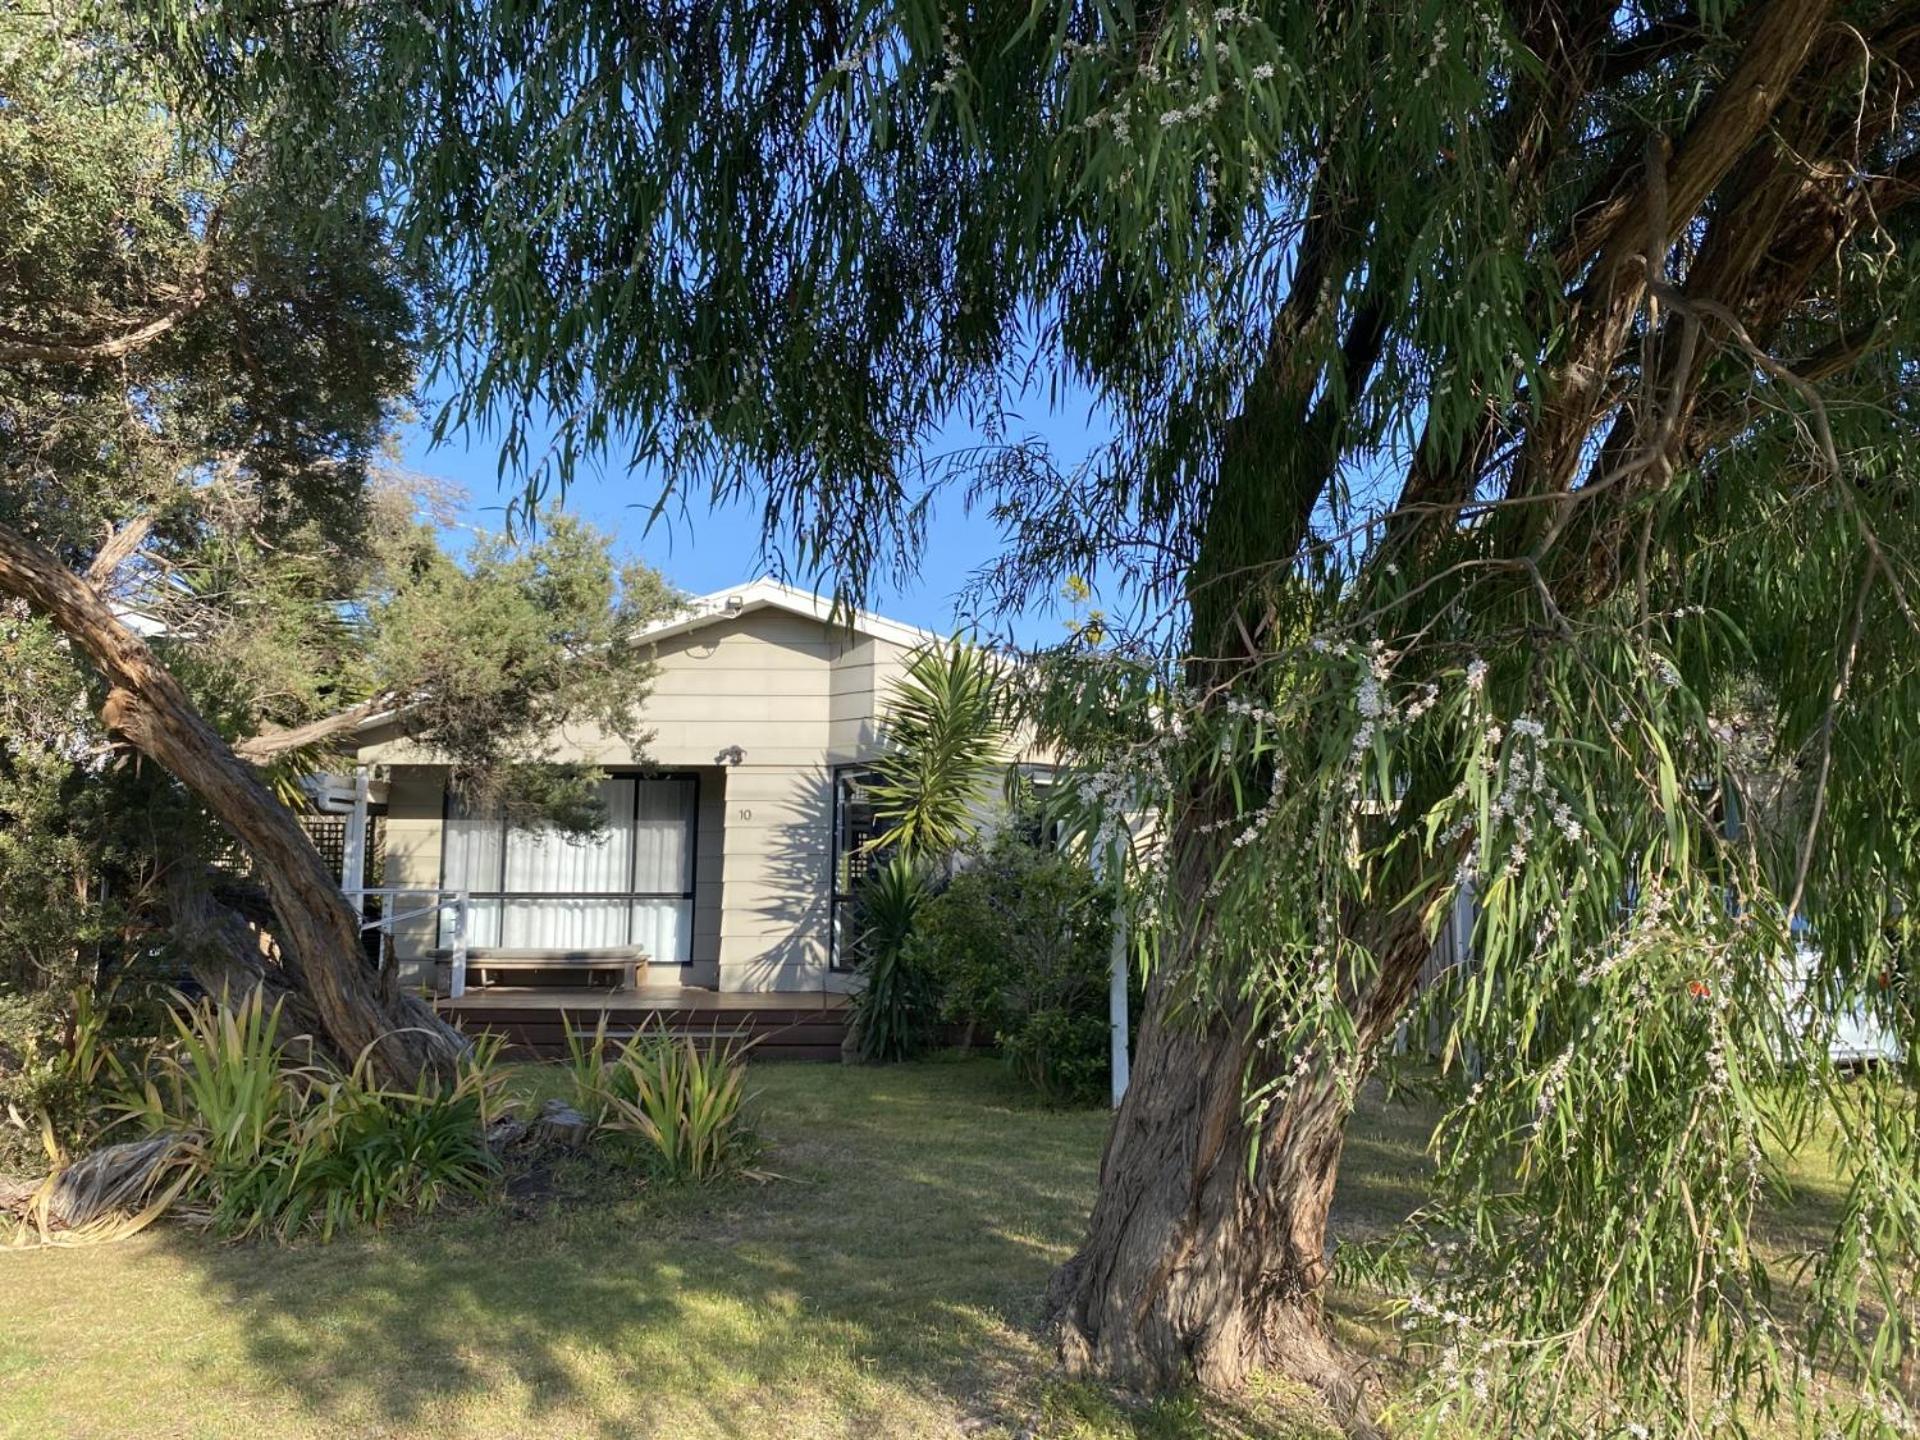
(732, 842)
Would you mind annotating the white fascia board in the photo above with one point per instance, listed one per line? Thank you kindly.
(766, 593)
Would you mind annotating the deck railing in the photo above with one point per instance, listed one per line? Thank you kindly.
(432, 903)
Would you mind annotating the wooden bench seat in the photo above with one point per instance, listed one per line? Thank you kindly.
(628, 961)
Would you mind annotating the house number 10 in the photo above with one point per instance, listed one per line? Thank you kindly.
(746, 813)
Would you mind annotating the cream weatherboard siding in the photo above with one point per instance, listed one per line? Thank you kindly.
(862, 675)
(415, 800)
(773, 910)
(762, 700)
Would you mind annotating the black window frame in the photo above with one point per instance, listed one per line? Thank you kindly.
(841, 848)
(630, 894)
(1038, 777)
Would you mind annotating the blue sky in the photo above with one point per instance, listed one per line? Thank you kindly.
(707, 549)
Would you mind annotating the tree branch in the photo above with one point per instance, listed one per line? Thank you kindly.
(1678, 180)
(70, 351)
(83, 350)
(120, 547)
(319, 935)
(1781, 38)
(259, 749)
(228, 951)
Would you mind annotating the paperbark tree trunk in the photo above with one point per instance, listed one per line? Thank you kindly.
(317, 933)
(226, 952)
(1207, 1252)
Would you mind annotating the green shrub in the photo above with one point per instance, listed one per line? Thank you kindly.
(686, 1103)
(1017, 945)
(226, 1078)
(894, 1010)
(49, 1049)
(280, 1146)
(1062, 1053)
(61, 831)
(371, 1153)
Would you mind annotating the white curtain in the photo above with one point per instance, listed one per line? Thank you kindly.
(664, 929)
(563, 924)
(474, 841)
(663, 868)
(546, 861)
(556, 879)
(662, 833)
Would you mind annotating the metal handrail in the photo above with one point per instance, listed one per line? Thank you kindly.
(460, 900)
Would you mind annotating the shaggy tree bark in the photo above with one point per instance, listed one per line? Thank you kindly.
(229, 953)
(1187, 1271)
(1207, 1250)
(318, 935)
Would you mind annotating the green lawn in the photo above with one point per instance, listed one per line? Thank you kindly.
(885, 1284)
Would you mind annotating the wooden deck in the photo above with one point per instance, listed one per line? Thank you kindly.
(804, 1025)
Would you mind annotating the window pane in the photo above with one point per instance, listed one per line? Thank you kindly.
(853, 856)
(563, 924)
(473, 849)
(664, 930)
(551, 881)
(483, 922)
(663, 861)
(547, 861)
(842, 939)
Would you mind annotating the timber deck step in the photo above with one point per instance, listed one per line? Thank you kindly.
(778, 1027)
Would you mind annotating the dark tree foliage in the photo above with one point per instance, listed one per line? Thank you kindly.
(210, 574)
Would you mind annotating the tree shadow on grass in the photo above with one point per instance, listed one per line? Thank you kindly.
(1384, 1165)
(887, 1285)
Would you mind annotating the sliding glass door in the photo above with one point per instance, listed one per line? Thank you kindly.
(854, 828)
(661, 904)
(537, 888)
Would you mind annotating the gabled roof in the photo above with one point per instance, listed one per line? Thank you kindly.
(138, 621)
(766, 593)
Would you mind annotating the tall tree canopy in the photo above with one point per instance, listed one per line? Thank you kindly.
(1510, 488)
(206, 558)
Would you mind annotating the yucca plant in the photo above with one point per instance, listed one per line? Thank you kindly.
(280, 1147)
(227, 1081)
(227, 1076)
(894, 1009)
(89, 1057)
(479, 1074)
(587, 1066)
(946, 730)
(947, 727)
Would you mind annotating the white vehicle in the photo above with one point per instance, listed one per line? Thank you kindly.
(1858, 1037)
